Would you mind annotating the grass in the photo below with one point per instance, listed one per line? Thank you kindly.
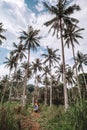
(56, 119)
(51, 118)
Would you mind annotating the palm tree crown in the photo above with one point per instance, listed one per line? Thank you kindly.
(1, 31)
(61, 12)
(51, 57)
(18, 52)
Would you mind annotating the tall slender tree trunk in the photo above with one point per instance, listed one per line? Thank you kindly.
(10, 93)
(64, 70)
(2, 99)
(28, 56)
(24, 89)
(25, 81)
(36, 88)
(78, 85)
(50, 87)
(45, 96)
(84, 77)
(51, 92)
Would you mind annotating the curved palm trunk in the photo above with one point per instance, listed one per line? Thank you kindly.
(78, 86)
(64, 71)
(84, 77)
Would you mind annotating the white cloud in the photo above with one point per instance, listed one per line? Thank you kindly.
(39, 7)
(15, 16)
(3, 70)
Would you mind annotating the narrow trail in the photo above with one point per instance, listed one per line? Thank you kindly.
(31, 122)
(34, 125)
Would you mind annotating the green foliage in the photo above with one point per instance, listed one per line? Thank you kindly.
(7, 119)
(56, 119)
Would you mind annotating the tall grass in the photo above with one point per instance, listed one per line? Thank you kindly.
(7, 119)
(74, 119)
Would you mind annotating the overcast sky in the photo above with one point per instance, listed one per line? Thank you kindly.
(16, 15)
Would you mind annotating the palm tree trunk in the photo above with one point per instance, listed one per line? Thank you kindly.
(24, 89)
(28, 55)
(33, 98)
(50, 87)
(2, 99)
(45, 97)
(35, 89)
(10, 93)
(51, 92)
(64, 71)
(25, 81)
(84, 77)
(78, 86)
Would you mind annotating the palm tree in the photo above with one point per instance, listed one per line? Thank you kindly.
(59, 71)
(61, 13)
(5, 82)
(18, 51)
(72, 33)
(70, 76)
(11, 63)
(28, 72)
(31, 41)
(36, 66)
(51, 58)
(80, 60)
(17, 77)
(1, 31)
(46, 82)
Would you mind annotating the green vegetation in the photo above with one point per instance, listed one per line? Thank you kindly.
(55, 118)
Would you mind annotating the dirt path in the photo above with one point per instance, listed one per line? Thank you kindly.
(31, 123)
(34, 125)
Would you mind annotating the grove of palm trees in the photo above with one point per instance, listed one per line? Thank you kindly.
(59, 88)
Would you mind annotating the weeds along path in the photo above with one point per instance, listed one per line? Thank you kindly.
(31, 123)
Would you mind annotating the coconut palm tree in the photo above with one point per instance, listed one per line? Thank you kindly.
(11, 63)
(72, 33)
(70, 77)
(17, 77)
(5, 83)
(36, 66)
(61, 13)
(1, 31)
(81, 59)
(59, 71)
(28, 72)
(51, 58)
(46, 82)
(31, 40)
(18, 51)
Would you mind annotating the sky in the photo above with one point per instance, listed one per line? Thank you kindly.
(16, 15)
